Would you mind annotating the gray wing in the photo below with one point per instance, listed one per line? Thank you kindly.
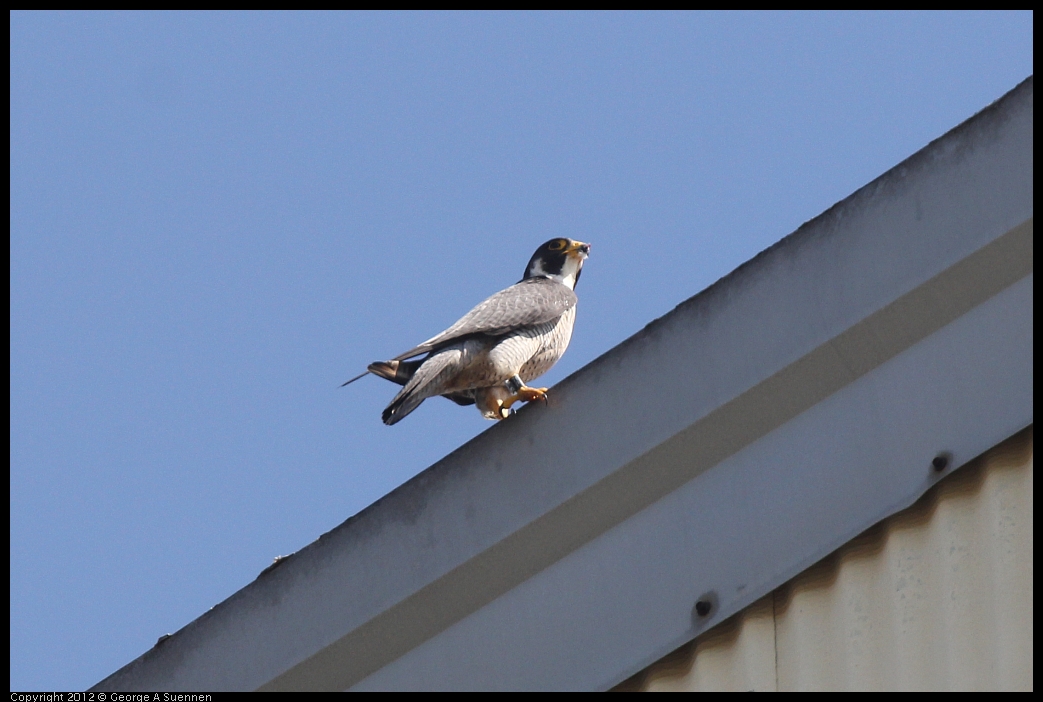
(532, 301)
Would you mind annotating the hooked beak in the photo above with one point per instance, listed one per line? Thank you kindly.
(577, 249)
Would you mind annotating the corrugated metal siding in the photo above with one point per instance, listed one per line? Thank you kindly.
(936, 597)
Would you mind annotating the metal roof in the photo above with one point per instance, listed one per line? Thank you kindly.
(685, 473)
(936, 597)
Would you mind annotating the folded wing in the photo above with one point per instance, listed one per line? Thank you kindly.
(532, 301)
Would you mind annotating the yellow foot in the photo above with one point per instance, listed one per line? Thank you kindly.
(525, 394)
(529, 394)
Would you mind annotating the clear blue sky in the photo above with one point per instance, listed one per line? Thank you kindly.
(218, 218)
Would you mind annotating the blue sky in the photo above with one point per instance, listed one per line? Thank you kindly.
(218, 218)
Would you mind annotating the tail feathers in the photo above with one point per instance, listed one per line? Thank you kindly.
(400, 372)
(425, 379)
(396, 371)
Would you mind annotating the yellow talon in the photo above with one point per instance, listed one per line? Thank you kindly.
(495, 402)
(526, 394)
(530, 394)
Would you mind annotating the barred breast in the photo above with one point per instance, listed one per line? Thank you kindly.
(554, 342)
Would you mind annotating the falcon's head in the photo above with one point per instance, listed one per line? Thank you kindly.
(560, 260)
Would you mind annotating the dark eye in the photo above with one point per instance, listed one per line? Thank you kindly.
(558, 244)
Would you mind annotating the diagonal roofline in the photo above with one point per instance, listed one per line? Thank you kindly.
(725, 447)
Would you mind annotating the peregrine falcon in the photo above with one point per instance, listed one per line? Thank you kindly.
(489, 355)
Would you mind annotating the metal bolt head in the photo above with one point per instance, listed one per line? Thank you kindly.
(706, 606)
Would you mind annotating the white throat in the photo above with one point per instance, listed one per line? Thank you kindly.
(568, 274)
